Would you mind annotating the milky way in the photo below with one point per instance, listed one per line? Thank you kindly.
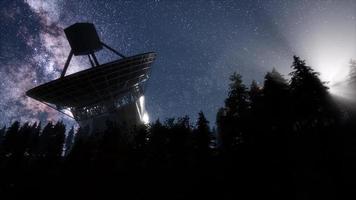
(199, 44)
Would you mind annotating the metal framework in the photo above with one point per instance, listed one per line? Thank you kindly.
(108, 81)
(111, 90)
(112, 82)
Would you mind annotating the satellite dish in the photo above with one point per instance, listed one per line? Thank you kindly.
(111, 91)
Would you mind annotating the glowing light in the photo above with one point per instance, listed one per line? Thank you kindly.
(145, 118)
(68, 112)
(143, 114)
(329, 52)
(142, 102)
(327, 42)
(333, 65)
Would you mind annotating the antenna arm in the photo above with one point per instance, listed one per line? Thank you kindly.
(113, 50)
(67, 63)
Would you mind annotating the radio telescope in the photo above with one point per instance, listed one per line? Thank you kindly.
(111, 91)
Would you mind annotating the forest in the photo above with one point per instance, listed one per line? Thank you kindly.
(287, 139)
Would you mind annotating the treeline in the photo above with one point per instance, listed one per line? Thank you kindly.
(287, 139)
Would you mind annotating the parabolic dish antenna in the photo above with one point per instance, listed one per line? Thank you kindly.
(105, 92)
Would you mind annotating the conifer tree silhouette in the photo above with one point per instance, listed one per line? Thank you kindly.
(276, 101)
(309, 95)
(11, 139)
(51, 141)
(255, 94)
(202, 136)
(233, 118)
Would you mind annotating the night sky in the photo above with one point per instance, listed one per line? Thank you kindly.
(199, 44)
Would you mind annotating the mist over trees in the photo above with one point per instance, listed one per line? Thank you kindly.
(285, 139)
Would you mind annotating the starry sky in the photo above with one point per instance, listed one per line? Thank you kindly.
(199, 44)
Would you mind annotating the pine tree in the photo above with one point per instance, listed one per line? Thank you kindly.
(33, 145)
(52, 140)
(255, 93)
(224, 140)
(274, 117)
(255, 98)
(276, 99)
(202, 134)
(233, 119)
(58, 140)
(11, 139)
(23, 141)
(275, 86)
(180, 140)
(237, 100)
(309, 94)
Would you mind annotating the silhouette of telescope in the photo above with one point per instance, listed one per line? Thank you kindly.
(112, 91)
